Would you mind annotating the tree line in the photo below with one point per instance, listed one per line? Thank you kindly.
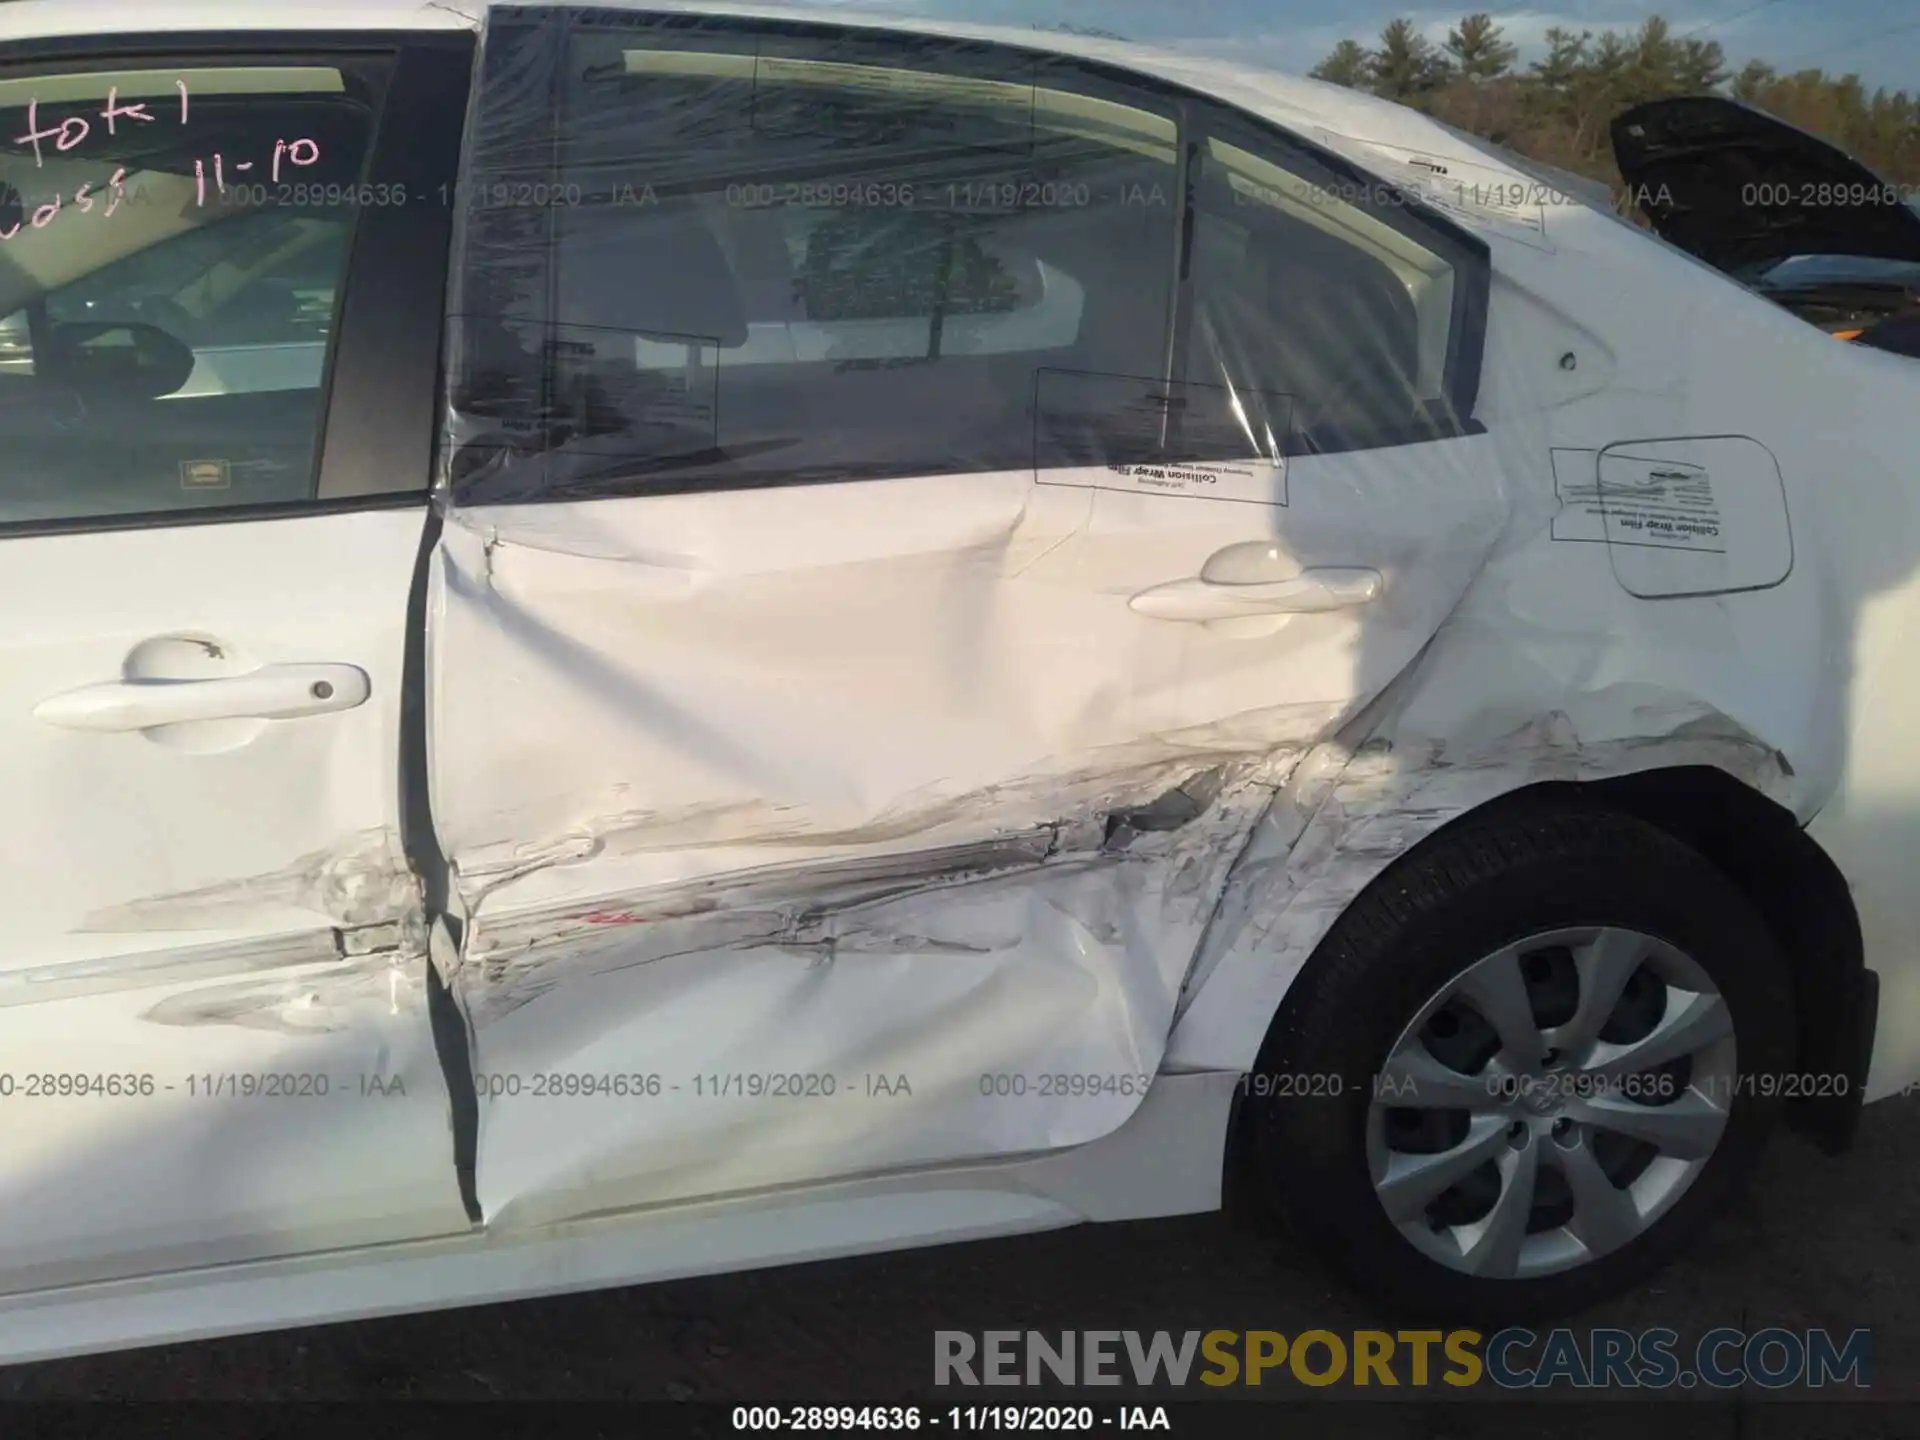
(1556, 110)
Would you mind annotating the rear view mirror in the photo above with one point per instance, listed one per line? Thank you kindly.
(115, 360)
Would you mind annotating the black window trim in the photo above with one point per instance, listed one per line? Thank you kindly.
(381, 396)
(1196, 115)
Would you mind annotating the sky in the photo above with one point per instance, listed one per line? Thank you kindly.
(1878, 39)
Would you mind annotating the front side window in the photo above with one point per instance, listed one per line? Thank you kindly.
(252, 298)
(173, 248)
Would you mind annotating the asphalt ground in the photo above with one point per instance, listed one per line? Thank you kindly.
(1817, 1242)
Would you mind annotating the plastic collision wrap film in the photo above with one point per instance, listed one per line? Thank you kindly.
(861, 450)
(699, 252)
(772, 259)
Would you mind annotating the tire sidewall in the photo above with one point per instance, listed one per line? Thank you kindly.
(1314, 1150)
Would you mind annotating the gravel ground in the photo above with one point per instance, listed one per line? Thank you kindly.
(1819, 1242)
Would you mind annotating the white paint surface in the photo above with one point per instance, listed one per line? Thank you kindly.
(1164, 1161)
(676, 738)
(171, 900)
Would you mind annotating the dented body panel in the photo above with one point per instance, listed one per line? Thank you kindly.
(981, 855)
(840, 764)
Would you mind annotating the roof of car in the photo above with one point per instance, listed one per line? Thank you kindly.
(38, 19)
(1387, 139)
(1288, 98)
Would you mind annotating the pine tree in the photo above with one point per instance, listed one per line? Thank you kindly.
(1477, 48)
(1559, 108)
(1702, 66)
(1404, 66)
(1347, 66)
(1566, 56)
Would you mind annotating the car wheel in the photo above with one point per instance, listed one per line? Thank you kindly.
(1524, 1067)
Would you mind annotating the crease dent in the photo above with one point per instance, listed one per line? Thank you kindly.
(512, 843)
(902, 903)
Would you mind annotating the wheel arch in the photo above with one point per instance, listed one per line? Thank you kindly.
(1752, 839)
(1805, 901)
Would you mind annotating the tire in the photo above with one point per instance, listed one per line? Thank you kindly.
(1596, 883)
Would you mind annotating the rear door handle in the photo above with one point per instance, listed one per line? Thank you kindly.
(1329, 587)
(273, 692)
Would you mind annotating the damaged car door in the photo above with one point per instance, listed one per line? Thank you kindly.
(908, 503)
(213, 1041)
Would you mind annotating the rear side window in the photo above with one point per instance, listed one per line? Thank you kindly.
(771, 261)
(700, 252)
(1350, 315)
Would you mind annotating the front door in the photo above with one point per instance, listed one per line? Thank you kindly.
(213, 1038)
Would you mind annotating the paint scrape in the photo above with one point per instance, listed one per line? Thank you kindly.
(365, 882)
(357, 992)
(1355, 806)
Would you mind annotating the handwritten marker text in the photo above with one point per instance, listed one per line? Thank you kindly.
(74, 129)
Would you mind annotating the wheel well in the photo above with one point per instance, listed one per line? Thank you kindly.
(1790, 880)
(1795, 886)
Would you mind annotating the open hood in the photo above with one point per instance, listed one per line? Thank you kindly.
(1742, 190)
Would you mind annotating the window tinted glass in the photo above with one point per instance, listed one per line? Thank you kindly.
(173, 244)
(252, 297)
(807, 260)
(704, 252)
(1300, 291)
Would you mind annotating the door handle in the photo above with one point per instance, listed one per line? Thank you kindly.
(273, 692)
(1330, 587)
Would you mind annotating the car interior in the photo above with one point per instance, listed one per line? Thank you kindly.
(796, 316)
(183, 365)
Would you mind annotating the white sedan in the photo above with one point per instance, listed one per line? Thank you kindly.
(638, 642)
